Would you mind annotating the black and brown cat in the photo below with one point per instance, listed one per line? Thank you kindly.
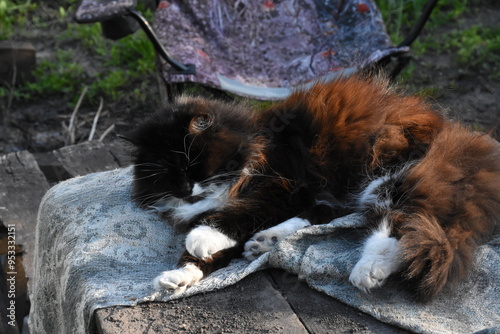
(238, 180)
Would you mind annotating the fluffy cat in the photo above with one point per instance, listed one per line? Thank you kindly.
(229, 176)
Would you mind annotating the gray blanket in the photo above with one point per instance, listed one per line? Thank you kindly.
(95, 248)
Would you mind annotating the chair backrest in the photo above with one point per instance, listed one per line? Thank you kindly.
(258, 48)
(262, 49)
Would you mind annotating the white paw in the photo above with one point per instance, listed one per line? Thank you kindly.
(178, 279)
(264, 241)
(203, 241)
(381, 258)
(370, 273)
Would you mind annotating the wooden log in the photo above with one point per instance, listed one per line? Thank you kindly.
(121, 151)
(22, 186)
(86, 158)
(250, 306)
(50, 163)
(51, 167)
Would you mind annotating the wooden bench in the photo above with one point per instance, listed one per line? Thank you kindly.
(269, 301)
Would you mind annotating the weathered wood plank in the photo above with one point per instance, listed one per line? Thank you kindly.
(85, 158)
(121, 151)
(22, 186)
(321, 313)
(50, 163)
(250, 306)
(51, 167)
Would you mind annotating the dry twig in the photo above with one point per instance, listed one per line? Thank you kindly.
(96, 118)
(106, 132)
(71, 129)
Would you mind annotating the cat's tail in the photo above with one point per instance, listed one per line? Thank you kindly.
(434, 257)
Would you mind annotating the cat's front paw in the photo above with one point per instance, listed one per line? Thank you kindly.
(178, 280)
(263, 241)
(381, 258)
(203, 241)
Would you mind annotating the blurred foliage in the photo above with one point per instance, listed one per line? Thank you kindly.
(117, 66)
(476, 48)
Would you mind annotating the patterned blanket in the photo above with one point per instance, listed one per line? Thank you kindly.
(95, 248)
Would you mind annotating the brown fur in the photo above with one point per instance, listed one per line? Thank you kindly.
(452, 202)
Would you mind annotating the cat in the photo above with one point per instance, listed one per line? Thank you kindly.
(238, 180)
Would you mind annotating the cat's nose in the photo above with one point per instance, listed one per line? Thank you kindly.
(185, 190)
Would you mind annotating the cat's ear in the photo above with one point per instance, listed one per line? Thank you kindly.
(200, 123)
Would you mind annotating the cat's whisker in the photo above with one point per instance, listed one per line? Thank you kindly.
(220, 176)
(199, 154)
(189, 151)
(194, 164)
(180, 152)
(186, 150)
(153, 170)
(269, 176)
(149, 164)
(151, 175)
(158, 197)
(237, 151)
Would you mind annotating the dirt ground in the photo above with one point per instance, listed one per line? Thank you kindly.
(472, 97)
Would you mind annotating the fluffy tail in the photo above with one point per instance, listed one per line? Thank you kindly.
(433, 257)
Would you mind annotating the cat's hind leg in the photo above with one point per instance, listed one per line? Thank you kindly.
(263, 241)
(380, 258)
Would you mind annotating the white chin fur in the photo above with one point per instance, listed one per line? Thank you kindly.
(215, 198)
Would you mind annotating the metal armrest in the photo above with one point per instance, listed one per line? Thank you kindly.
(119, 19)
(417, 28)
(177, 67)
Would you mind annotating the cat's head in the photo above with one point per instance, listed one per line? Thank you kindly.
(194, 140)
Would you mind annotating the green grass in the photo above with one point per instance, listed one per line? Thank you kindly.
(120, 66)
(14, 14)
(57, 76)
(476, 48)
